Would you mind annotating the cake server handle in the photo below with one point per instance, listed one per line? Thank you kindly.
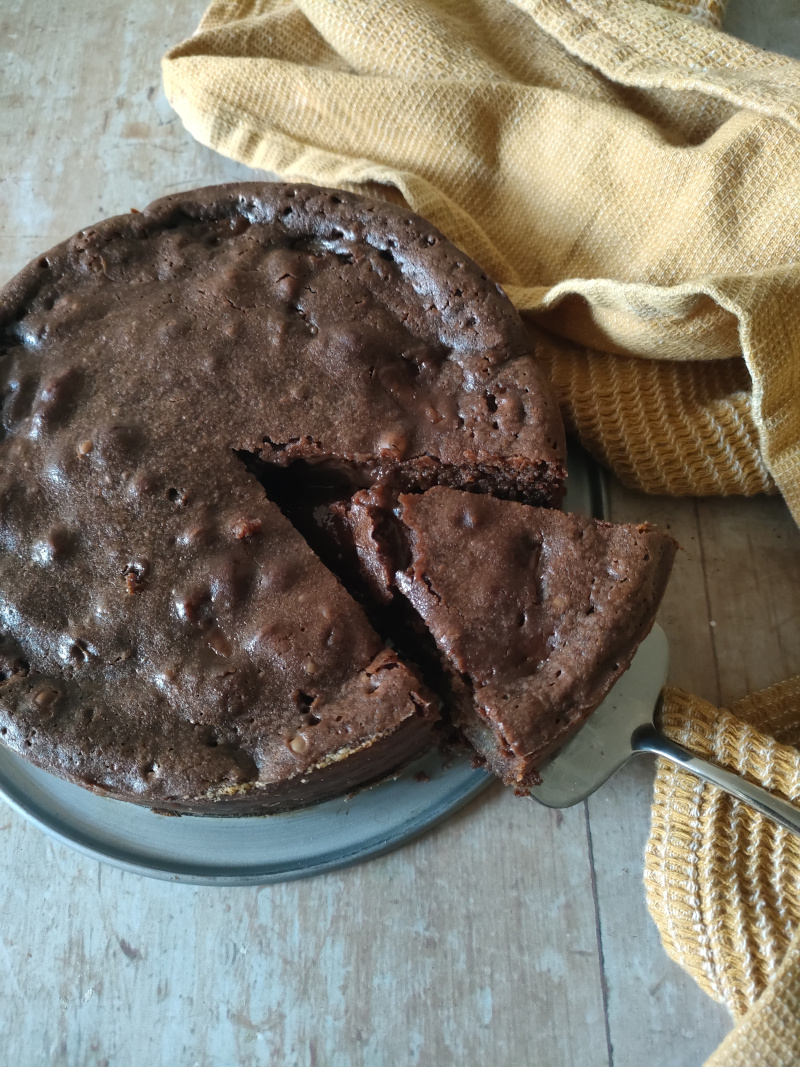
(647, 738)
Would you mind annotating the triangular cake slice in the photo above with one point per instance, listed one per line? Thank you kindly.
(536, 614)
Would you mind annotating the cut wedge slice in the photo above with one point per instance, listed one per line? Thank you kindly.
(535, 613)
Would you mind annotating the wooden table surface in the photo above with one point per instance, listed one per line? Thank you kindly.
(511, 935)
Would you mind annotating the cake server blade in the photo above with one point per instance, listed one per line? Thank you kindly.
(623, 726)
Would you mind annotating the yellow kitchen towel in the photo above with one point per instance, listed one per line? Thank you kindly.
(723, 883)
(627, 171)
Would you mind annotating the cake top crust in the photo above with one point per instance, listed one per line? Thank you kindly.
(164, 630)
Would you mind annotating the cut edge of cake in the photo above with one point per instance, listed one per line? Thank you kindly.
(556, 608)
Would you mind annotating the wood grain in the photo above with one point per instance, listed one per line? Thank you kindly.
(472, 945)
(511, 934)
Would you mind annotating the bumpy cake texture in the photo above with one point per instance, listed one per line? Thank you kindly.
(536, 613)
(166, 634)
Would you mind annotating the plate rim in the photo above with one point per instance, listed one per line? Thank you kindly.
(192, 873)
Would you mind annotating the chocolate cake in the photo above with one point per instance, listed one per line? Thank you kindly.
(172, 384)
(536, 613)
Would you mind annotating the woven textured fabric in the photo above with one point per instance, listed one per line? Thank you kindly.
(723, 883)
(623, 168)
(677, 428)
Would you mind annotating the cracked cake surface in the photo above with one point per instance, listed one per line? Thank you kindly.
(166, 634)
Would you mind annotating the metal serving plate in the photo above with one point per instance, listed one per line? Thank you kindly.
(257, 850)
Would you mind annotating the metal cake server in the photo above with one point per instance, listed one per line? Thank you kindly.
(622, 726)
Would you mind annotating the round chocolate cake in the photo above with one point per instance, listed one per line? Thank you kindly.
(174, 385)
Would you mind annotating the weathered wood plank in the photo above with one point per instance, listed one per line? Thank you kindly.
(475, 944)
(752, 571)
(656, 1013)
(85, 128)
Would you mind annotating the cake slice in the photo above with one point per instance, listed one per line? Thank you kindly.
(535, 613)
